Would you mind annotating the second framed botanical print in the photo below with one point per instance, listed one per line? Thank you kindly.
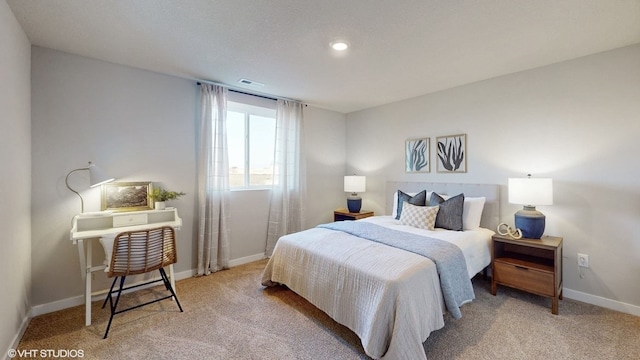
(451, 153)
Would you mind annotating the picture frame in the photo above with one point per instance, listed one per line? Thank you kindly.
(451, 153)
(126, 196)
(417, 155)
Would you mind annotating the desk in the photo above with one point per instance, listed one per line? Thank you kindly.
(89, 227)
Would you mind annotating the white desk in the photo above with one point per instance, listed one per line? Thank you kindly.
(93, 226)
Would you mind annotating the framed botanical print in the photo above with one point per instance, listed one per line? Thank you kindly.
(452, 153)
(417, 155)
(126, 196)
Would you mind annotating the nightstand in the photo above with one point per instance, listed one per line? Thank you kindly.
(532, 265)
(344, 214)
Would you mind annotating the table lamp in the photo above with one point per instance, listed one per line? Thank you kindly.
(354, 184)
(96, 178)
(530, 192)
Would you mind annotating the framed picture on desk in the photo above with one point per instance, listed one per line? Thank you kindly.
(126, 196)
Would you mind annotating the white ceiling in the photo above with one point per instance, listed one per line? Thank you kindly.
(399, 49)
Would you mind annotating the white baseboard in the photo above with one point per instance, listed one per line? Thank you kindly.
(16, 339)
(79, 300)
(246, 260)
(601, 301)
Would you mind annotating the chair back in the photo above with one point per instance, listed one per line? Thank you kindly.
(138, 252)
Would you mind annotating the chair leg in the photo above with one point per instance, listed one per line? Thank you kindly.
(167, 284)
(110, 291)
(114, 306)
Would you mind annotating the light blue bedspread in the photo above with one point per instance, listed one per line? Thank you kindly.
(449, 259)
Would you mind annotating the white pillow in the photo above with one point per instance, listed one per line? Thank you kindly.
(394, 210)
(472, 212)
(421, 217)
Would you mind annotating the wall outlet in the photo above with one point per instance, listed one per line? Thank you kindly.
(583, 260)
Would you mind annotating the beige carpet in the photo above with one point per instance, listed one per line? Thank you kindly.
(229, 315)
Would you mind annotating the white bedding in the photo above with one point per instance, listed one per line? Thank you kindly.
(389, 297)
(475, 244)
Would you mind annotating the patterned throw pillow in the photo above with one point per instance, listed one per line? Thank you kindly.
(419, 199)
(422, 217)
(450, 213)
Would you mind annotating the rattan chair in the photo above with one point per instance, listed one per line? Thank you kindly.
(139, 252)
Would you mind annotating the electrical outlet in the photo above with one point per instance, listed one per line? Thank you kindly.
(583, 260)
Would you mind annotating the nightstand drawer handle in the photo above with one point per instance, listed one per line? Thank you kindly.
(521, 267)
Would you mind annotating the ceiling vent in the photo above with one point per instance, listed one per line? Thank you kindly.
(250, 82)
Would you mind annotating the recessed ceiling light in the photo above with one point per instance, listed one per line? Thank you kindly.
(339, 45)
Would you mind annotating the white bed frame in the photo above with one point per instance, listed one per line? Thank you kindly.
(490, 214)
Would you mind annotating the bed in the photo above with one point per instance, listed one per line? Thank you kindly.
(388, 293)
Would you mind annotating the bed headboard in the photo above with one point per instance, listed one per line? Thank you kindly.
(490, 213)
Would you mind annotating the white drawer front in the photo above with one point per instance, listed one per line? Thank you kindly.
(129, 220)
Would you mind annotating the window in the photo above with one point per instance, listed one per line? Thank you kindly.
(251, 135)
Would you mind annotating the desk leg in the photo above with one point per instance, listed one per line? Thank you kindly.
(81, 255)
(87, 283)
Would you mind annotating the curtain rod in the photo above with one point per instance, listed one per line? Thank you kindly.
(245, 92)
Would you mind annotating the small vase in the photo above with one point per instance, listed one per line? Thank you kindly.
(160, 205)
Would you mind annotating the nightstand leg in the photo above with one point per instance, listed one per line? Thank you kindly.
(554, 305)
(493, 288)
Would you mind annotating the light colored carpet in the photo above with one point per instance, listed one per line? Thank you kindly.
(229, 315)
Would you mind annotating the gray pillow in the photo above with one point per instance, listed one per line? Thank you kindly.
(450, 214)
(419, 199)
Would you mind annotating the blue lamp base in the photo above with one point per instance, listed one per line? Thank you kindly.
(531, 222)
(354, 204)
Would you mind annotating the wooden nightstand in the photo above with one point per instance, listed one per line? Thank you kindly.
(344, 214)
(533, 265)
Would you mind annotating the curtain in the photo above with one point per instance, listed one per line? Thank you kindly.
(286, 211)
(213, 182)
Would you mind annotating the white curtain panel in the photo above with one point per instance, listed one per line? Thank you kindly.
(288, 195)
(213, 182)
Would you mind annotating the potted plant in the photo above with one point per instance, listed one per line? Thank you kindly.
(160, 195)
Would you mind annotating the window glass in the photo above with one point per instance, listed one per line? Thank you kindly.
(262, 137)
(251, 142)
(236, 147)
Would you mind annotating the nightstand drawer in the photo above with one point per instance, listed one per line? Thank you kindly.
(524, 278)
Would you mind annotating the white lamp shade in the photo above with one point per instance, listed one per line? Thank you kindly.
(97, 177)
(533, 192)
(355, 184)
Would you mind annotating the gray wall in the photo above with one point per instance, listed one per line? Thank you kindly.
(576, 122)
(15, 179)
(136, 125)
(140, 126)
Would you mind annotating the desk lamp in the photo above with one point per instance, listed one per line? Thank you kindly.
(530, 192)
(96, 178)
(354, 184)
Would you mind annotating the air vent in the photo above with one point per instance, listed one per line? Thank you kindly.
(250, 82)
